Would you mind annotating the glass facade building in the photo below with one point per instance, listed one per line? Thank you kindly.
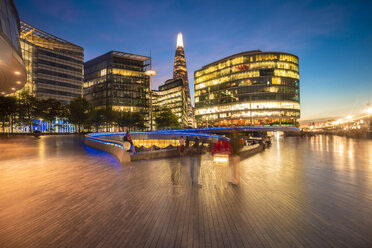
(172, 95)
(180, 72)
(249, 88)
(117, 80)
(54, 65)
(12, 69)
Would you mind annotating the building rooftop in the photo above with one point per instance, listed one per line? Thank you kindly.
(125, 55)
(130, 56)
(40, 37)
(241, 54)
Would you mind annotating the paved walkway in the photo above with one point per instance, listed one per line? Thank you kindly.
(317, 192)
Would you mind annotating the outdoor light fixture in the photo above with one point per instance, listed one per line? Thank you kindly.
(150, 73)
(221, 158)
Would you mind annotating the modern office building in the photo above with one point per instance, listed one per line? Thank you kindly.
(248, 88)
(117, 80)
(12, 68)
(175, 93)
(54, 66)
(172, 95)
(180, 72)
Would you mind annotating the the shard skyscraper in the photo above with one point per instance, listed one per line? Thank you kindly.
(180, 72)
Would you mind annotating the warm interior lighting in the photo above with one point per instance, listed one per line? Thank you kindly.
(3, 93)
(221, 158)
(150, 73)
(12, 88)
(17, 73)
(179, 40)
(18, 82)
(369, 110)
(349, 117)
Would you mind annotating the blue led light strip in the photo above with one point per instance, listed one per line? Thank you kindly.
(162, 133)
(185, 132)
(106, 142)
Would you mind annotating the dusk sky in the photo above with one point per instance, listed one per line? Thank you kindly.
(333, 39)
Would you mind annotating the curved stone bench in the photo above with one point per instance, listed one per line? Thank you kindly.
(113, 147)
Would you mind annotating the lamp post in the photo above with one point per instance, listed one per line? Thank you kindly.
(150, 73)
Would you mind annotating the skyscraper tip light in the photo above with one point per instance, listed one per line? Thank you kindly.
(180, 72)
(179, 40)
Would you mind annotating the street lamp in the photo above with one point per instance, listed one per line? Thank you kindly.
(150, 73)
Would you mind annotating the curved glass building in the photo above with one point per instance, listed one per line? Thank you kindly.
(12, 68)
(249, 88)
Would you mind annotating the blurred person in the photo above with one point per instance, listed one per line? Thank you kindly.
(181, 148)
(195, 164)
(236, 145)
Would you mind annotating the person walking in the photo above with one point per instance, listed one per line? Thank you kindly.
(235, 143)
(195, 170)
(197, 145)
(181, 148)
(187, 143)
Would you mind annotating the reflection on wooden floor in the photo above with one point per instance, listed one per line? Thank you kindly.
(54, 192)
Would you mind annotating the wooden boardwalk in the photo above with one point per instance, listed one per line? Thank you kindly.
(317, 192)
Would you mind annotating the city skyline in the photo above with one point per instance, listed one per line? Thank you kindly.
(327, 37)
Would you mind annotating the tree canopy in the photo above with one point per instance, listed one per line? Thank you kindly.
(80, 112)
(166, 119)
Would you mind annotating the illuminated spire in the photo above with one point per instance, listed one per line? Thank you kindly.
(179, 40)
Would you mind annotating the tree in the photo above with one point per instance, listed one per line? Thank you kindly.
(8, 108)
(138, 121)
(166, 119)
(131, 120)
(98, 118)
(79, 112)
(49, 110)
(27, 108)
(109, 116)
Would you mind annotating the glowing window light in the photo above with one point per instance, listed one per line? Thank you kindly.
(248, 106)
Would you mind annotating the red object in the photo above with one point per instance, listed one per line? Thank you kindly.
(242, 67)
(222, 146)
(129, 138)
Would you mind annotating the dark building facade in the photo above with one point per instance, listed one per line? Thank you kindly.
(172, 95)
(12, 68)
(249, 88)
(54, 65)
(117, 80)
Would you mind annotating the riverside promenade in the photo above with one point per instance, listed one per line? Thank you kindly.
(302, 192)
